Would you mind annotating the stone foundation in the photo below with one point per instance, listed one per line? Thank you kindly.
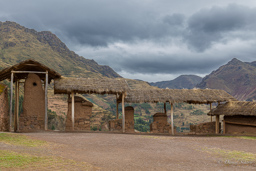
(204, 128)
(115, 125)
(160, 124)
(4, 108)
(32, 118)
(83, 112)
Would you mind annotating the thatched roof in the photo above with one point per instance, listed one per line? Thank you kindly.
(28, 65)
(197, 96)
(66, 85)
(235, 108)
(82, 100)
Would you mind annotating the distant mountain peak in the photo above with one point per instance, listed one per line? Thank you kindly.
(235, 61)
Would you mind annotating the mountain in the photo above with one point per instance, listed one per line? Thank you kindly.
(183, 81)
(18, 43)
(236, 77)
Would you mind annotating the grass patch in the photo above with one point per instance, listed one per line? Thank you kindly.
(248, 138)
(13, 160)
(22, 140)
(233, 156)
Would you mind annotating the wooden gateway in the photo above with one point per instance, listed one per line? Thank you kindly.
(239, 117)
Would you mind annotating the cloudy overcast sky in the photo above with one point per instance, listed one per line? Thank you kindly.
(151, 40)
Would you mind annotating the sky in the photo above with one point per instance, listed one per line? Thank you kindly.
(150, 40)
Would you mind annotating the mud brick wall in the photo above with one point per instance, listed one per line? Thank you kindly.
(160, 124)
(4, 109)
(204, 128)
(240, 129)
(116, 125)
(33, 115)
(83, 112)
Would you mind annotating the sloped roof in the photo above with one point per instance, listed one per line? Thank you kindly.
(196, 96)
(235, 108)
(106, 85)
(28, 65)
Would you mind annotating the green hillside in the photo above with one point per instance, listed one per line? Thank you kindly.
(18, 43)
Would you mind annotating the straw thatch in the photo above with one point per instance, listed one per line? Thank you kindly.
(90, 85)
(28, 65)
(196, 96)
(235, 108)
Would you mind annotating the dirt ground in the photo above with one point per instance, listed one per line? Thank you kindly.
(108, 151)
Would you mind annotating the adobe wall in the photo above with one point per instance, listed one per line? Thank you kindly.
(4, 109)
(240, 129)
(204, 128)
(33, 114)
(160, 124)
(116, 125)
(83, 112)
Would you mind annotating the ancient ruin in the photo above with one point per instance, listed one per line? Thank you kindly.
(160, 124)
(83, 112)
(204, 128)
(33, 115)
(4, 108)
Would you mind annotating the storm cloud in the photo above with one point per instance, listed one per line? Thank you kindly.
(146, 39)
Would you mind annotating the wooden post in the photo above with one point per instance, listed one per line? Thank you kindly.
(211, 109)
(73, 110)
(10, 112)
(117, 114)
(224, 127)
(172, 118)
(217, 124)
(46, 101)
(123, 113)
(165, 111)
(16, 108)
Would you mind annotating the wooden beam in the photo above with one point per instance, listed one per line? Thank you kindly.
(172, 119)
(46, 101)
(211, 109)
(16, 106)
(117, 114)
(73, 110)
(243, 124)
(165, 111)
(34, 72)
(217, 125)
(224, 127)
(11, 96)
(123, 113)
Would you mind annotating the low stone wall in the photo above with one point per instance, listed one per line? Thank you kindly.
(83, 112)
(4, 109)
(204, 128)
(160, 124)
(115, 125)
(239, 128)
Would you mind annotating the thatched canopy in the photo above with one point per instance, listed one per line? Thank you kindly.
(28, 65)
(196, 96)
(90, 85)
(235, 108)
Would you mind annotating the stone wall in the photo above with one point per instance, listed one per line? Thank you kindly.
(204, 128)
(160, 124)
(116, 125)
(83, 112)
(33, 115)
(4, 108)
(240, 129)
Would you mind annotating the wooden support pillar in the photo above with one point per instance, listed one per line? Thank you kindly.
(165, 111)
(217, 125)
(172, 119)
(11, 96)
(73, 110)
(117, 114)
(16, 108)
(224, 127)
(123, 113)
(211, 109)
(46, 101)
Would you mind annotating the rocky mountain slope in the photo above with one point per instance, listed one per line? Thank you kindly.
(18, 43)
(236, 77)
(183, 81)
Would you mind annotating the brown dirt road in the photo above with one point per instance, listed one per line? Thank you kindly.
(150, 152)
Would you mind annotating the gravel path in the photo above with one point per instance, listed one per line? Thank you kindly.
(150, 152)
